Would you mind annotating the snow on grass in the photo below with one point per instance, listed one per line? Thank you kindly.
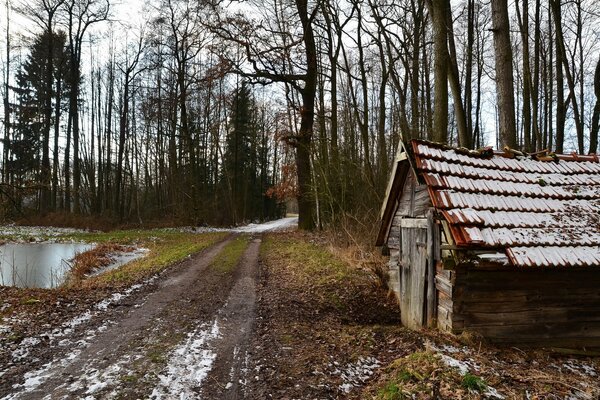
(188, 365)
(37, 231)
(357, 373)
(464, 367)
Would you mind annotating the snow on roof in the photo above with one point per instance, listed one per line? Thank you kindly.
(541, 210)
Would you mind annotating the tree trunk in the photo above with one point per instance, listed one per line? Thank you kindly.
(504, 74)
(464, 135)
(6, 140)
(437, 9)
(524, 28)
(307, 116)
(596, 112)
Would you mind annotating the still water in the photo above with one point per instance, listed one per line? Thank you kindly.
(39, 265)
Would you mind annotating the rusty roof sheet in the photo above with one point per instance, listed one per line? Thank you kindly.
(537, 213)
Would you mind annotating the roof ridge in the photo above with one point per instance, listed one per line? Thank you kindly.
(489, 152)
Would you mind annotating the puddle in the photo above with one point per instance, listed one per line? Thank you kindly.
(39, 265)
(121, 258)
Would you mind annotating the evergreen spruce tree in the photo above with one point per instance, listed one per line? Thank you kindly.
(35, 90)
(245, 178)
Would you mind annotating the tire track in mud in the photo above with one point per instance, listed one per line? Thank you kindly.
(126, 359)
(228, 377)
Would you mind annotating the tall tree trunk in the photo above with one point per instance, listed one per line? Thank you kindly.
(123, 126)
(504, 74)
(596, 113)
(55, 151)
(527, 84)
(561, 107)
(560, 46)
(464, 136)
(438, 9)
(6, 139)
(307, 116)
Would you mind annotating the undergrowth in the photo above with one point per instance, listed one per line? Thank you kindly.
(352, 239)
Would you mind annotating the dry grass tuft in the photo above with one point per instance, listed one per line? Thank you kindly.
(100, 256)
(352, 240)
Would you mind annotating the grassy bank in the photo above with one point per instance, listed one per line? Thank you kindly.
(26, 309)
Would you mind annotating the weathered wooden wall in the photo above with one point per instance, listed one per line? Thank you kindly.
(409, 253)
(537, 307)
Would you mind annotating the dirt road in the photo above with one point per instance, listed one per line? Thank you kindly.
(184, 335)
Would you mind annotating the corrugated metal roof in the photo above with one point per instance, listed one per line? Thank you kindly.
(537, 213)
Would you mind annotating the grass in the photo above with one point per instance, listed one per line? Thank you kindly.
(421, 374)
(322, 309)
(313, 262)
(166, 248)
(231, 254)
(474, 383)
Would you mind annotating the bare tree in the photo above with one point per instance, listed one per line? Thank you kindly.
(504, 74)
(80, 15)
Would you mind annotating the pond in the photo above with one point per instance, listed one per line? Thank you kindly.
(37, 265)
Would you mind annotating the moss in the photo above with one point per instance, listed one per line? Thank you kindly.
(229, 257)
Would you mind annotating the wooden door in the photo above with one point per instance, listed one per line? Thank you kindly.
(413, 271)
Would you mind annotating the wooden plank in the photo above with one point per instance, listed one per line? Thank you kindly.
(431, 262)
(443, 285)
(400, 156)
(535, 306)
(419, 278)
(405, 278)
(414, 223)
(421, 201)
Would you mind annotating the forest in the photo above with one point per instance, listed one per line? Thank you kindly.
(210, 112)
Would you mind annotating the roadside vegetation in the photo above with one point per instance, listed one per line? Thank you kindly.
(230, 256)
(329, 329)
(26, 310)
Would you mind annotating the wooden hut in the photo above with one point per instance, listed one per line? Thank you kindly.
(500, 243)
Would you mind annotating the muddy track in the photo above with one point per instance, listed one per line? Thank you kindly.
(185, 337)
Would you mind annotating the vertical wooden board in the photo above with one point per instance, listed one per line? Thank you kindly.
(406, 197)
(419, 277)
(405, 277)
(431, 267)
(413, 271)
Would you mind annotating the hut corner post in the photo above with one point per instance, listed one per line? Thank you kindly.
(433, 249)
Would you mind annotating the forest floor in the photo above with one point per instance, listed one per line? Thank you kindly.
(254, 315)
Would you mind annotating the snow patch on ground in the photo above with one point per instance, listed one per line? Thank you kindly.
(188, 365)
(356, 374)
(33, 379)
(276, 225)
(94, 380)
(463, 366)
(580, 367)
(38, 231)
(59, 335)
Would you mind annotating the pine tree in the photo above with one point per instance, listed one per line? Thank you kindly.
(36, 90)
